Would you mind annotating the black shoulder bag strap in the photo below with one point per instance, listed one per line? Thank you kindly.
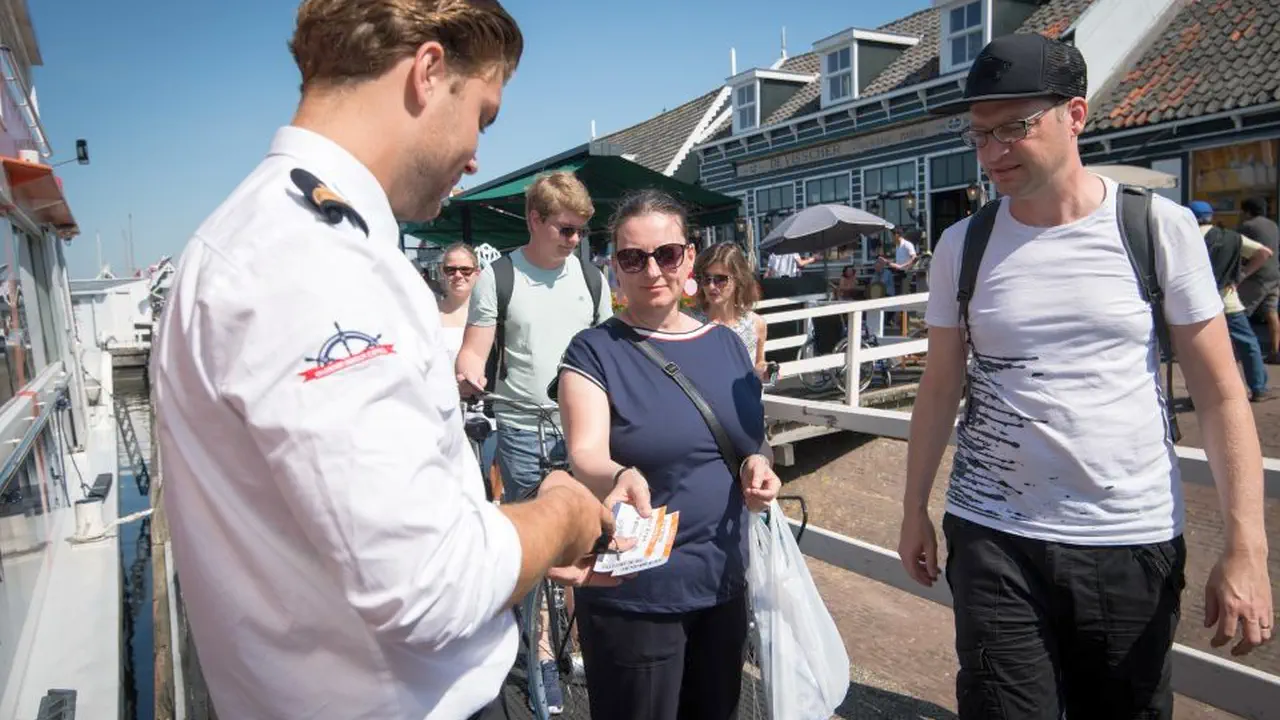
(671, 370)
(1137, 234)
(594, 279)
(975, 244)
(504, 280)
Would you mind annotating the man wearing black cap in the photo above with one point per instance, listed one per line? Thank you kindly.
(1064, 512)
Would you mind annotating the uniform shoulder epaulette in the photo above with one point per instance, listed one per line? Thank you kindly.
(330, 205)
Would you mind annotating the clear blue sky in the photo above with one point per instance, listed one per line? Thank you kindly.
(179, 99)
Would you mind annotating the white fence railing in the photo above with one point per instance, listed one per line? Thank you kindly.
(1200, 675)
(854, 354)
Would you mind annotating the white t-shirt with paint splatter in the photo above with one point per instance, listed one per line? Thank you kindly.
(1064, 436)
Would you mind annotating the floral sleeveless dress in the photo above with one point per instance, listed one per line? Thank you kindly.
(745, 329)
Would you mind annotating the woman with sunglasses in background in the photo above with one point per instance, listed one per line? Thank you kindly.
(459, 268)
(727, 290)
(667, 644)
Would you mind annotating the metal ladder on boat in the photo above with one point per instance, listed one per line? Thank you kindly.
(132, 448)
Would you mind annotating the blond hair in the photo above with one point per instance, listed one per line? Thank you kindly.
(342, 41)
(558, 192)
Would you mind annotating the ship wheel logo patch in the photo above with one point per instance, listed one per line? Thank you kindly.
(345, 349)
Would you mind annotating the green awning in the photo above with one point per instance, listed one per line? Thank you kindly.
(494, 214)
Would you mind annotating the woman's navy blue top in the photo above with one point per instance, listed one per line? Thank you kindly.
(656, 428)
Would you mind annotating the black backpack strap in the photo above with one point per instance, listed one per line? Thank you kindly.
(975, 244)
(504, 279)
(1137, 234)
(671, 370)
(592, 275)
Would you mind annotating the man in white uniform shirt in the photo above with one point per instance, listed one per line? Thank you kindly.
(1064, 513)
(337, 555)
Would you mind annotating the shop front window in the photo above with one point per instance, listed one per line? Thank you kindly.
(889, 193)
(16, 368)
(827, 190)
(1226, 176)
(954, 170)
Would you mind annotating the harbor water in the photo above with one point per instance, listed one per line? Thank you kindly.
(137, 632)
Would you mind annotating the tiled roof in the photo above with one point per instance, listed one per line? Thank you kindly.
(1214, 55)
(808, 64)
(916, 64)
(656, 141)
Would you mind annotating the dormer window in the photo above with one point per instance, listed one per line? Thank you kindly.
(758, 93)
(838, 74)
(745, 115)
(853, 58)
(963, 34)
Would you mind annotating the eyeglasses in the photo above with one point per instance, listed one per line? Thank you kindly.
(713, 280)
(634, 260)
(568, 231)
(463, 270)
(1008, 133)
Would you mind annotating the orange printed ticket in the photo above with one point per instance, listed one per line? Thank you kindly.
(654, 536)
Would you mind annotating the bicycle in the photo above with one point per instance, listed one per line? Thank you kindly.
(822, 380)
(546, 595)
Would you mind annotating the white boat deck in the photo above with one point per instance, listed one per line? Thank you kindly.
(75, 642)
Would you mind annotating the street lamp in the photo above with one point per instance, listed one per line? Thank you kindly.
(972, 192)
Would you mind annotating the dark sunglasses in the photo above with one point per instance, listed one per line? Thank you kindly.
(463, 270)
(713, 280)
(568, 231)
(634, 260)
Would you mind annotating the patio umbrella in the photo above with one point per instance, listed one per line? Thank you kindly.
(1134, 175)
(822, 227)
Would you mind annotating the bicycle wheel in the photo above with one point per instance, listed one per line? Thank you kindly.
(548, 607)
(753, 703)
(563, 639)
(818, 380)
(535, 690)
(866, 371)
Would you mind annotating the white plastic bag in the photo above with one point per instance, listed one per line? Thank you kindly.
(801, 655)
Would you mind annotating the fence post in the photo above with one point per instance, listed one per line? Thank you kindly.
(852, 351)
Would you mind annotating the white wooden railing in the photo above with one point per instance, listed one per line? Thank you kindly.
(1202, 676)
(851, 360)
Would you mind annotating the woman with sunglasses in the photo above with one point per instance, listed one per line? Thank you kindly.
(459, 267)
(667, 644)
(727, 290)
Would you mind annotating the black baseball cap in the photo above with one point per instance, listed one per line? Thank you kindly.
(1022, 65)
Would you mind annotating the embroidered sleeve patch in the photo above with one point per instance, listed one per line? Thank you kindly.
(343, 350)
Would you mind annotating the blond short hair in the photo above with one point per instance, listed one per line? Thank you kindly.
(343, 41)
(558, 192)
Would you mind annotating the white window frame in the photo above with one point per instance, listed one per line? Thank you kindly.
(757, 217)
(754, 106)
(863, 199)
(929, 187)
(804, 185)
(755, 196)
(851, 71)
(947, 34)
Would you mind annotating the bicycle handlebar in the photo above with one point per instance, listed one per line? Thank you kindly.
(514, 403)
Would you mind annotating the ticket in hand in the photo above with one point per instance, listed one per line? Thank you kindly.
(654, 536)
